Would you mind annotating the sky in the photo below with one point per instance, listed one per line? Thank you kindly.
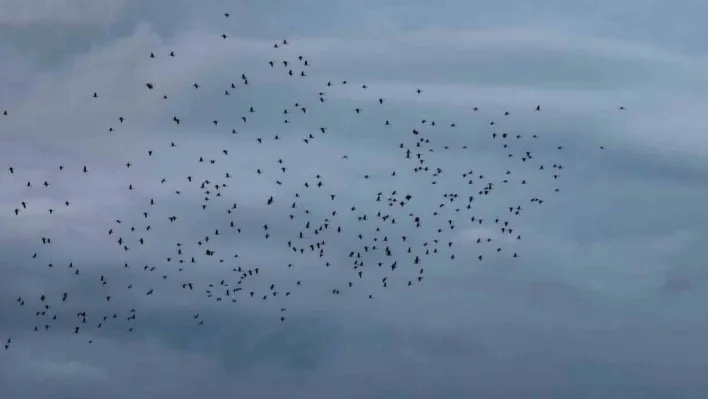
(606, 297)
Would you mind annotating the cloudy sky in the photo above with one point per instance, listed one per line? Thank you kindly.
(606, 299)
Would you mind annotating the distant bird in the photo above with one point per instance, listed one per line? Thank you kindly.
(360, 218)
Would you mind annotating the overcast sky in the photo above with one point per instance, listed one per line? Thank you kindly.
(606, 299)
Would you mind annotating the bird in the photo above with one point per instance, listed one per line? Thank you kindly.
(359, 214)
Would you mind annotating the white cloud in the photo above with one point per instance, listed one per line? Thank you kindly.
(20, 12)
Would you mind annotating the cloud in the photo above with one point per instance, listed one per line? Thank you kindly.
(65, 11)
(602, 299)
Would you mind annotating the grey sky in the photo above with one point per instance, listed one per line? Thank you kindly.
(605, 301)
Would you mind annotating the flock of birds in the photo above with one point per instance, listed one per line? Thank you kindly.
(384, 235)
